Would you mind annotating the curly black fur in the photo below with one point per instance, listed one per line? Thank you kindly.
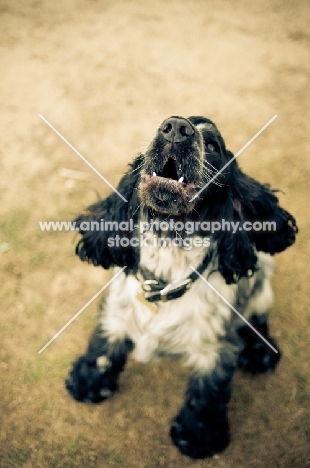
(87, 382)
(256, 356)
(93, 246)
(241, 198)
(201, 427)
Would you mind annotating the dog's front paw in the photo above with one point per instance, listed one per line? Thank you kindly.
(258, 358)
(90, 380)
(200, 435)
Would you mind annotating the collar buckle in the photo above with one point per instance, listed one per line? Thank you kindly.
(152, 285)
(168, 292)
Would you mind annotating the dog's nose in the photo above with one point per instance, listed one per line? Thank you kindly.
(176, 129)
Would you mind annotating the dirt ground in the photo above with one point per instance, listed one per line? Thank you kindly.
(105, 73)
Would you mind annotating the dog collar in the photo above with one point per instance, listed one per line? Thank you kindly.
(156, 290)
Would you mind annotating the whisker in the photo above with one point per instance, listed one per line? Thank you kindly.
(142, 148)
(139, 167)
(215, 182)
(136, 210)
(206, 172)
(209, 170)
(211, 165)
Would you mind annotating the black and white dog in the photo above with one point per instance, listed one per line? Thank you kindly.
(173, 297)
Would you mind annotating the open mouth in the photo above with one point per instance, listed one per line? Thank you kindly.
(171, 175)
(171, 169)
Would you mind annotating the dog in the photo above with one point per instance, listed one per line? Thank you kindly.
(201, 293)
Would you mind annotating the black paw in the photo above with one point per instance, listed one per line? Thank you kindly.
(257, 357)
(198, 438)
(90, 380)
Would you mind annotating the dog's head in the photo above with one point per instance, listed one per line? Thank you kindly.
(187, 172)
(183, 156)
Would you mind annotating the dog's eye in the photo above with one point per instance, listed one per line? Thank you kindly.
(213, 147)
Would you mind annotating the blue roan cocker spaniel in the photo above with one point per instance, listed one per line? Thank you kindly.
(173, 297)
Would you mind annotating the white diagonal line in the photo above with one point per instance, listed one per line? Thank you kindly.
(232, 159)
(82, 157)
(83, 308)
(235, 310)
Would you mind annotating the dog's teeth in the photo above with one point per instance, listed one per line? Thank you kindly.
(154, 174)
(181, 179)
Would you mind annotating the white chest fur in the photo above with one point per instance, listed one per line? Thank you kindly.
(189, 326)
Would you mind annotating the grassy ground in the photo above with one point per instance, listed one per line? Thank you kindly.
(105, 74)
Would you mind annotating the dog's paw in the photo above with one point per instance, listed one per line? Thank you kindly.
(200, 438)
(258, 358)
(90, 380)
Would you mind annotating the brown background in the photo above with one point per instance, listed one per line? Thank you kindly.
(106, 74)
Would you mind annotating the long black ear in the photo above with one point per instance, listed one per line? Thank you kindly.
(235, 254)
(106, 226)
(275, 229)
(242, 199)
